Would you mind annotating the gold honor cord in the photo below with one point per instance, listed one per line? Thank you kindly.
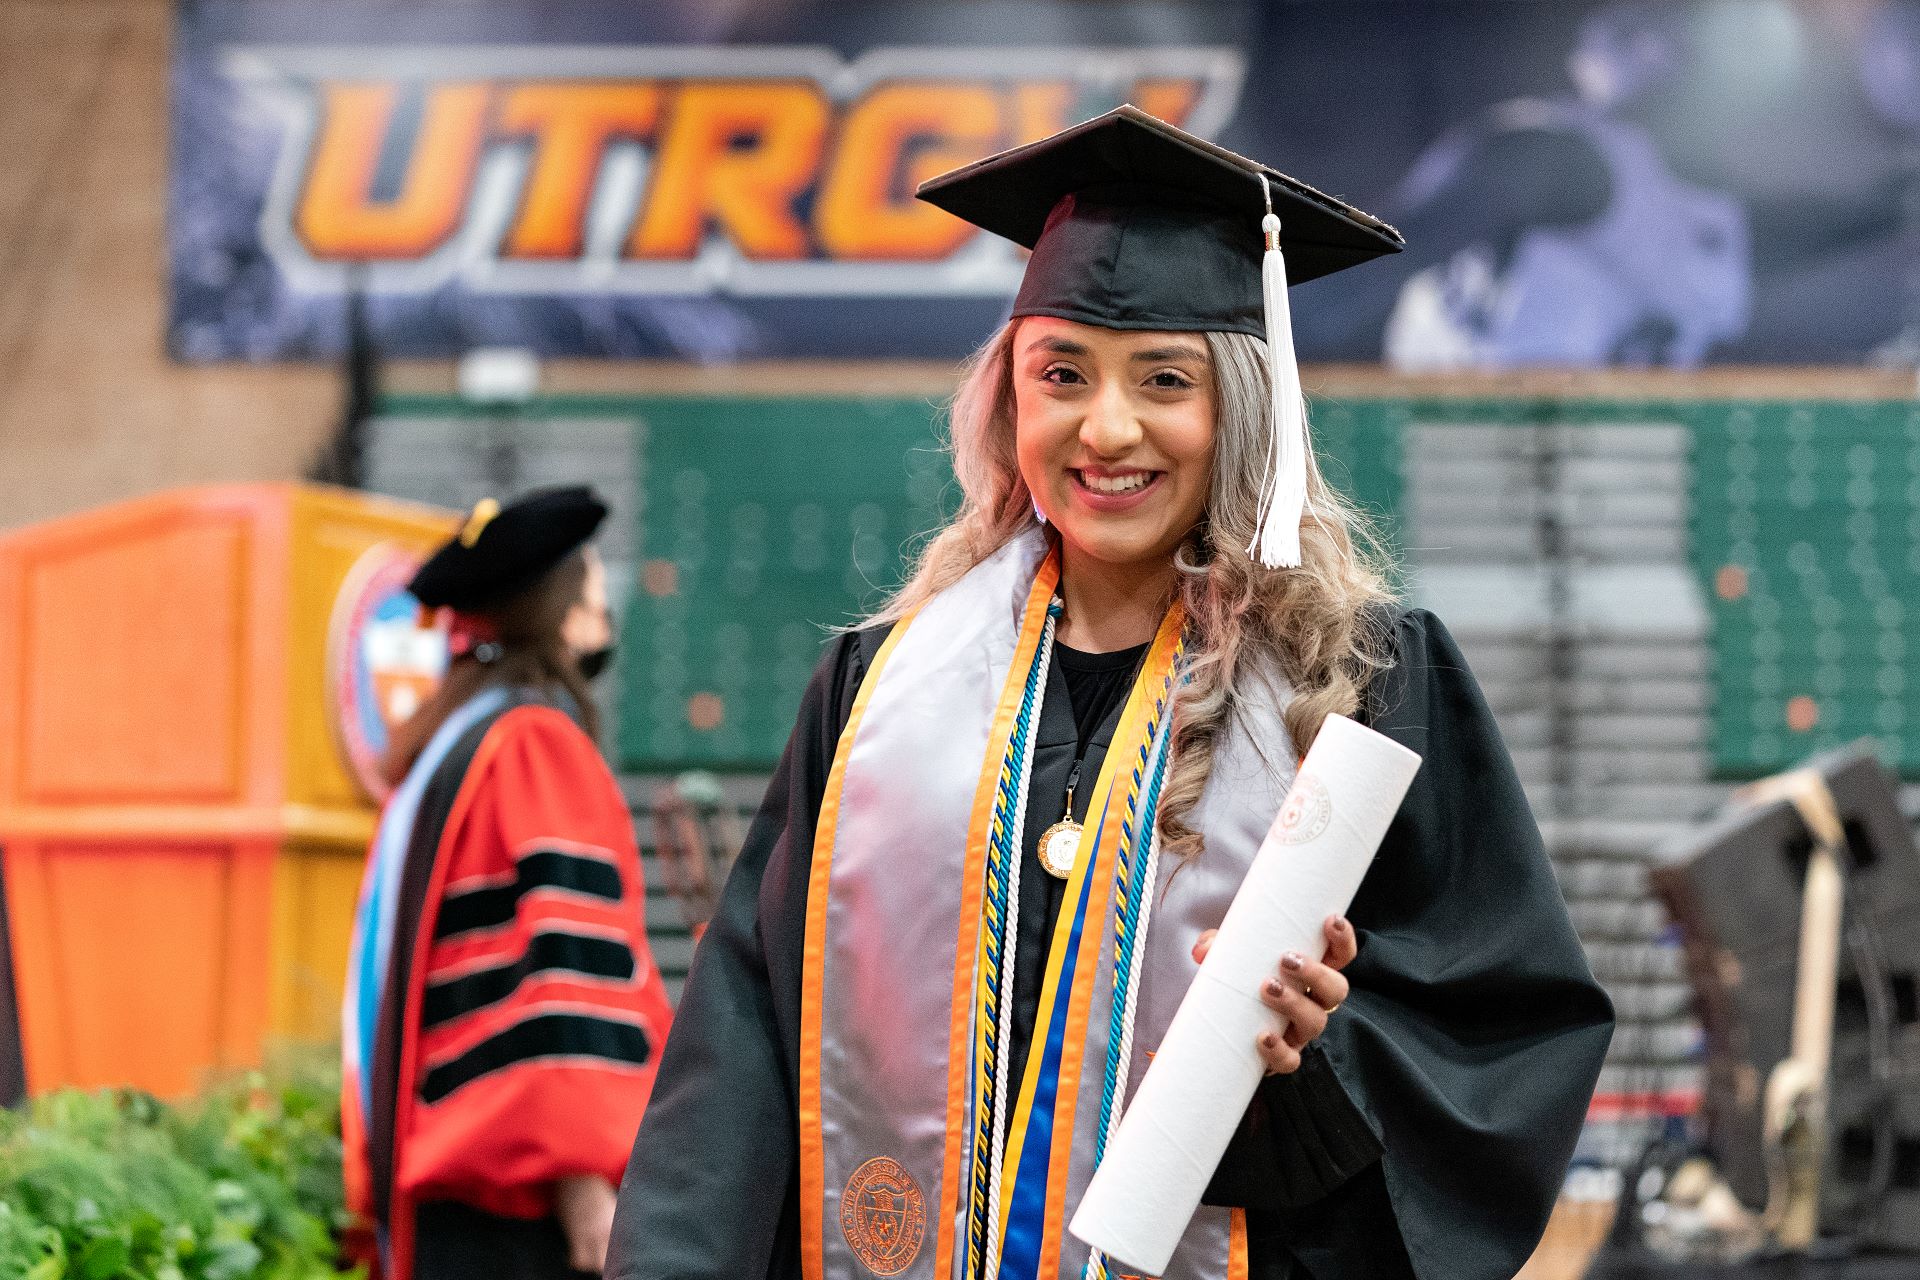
(1794, 1122)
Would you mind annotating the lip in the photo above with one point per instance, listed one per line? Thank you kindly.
(1113, 503)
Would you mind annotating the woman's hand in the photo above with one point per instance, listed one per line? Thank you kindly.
(1302, 991)
(584, 1205)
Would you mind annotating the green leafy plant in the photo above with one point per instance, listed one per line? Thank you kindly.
(242, 1183)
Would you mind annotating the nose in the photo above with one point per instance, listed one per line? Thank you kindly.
(1110, 427)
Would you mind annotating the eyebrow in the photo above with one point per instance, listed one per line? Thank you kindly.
(1182, 351)
(1068, 347)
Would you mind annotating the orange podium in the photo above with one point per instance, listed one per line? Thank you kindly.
(193, 687)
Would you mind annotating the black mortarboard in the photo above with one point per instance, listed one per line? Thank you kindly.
(503, 550)
(1135, 224)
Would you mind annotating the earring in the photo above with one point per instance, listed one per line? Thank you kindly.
(1038, 514)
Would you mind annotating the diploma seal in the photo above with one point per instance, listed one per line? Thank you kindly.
(1307, 812)
(883, 1214)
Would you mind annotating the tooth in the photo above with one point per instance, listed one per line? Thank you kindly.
(1116, 484)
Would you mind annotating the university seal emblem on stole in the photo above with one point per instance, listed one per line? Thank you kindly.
(883, 1214)
(1307, 811)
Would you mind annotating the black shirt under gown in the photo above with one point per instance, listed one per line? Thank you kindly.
(1427, 1131)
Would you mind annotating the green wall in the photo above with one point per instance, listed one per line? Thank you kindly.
(766, 522)
(782, 518)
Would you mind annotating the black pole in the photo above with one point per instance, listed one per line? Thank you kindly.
(343, 461)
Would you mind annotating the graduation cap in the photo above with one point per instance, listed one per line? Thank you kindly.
(502, 550)
(1135, 224)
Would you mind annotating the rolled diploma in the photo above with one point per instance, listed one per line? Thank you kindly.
(1206, 1069)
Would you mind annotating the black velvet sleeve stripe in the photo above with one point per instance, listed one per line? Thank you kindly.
(493, 906)
(549, 1035)
(548, 952)
(473, 909)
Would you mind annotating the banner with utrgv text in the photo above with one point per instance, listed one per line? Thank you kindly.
(1592, 182)
(620, 193)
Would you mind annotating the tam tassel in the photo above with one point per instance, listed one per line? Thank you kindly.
(1283, 495)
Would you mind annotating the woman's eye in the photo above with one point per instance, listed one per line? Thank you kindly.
(1063, 374)
(1169, 380)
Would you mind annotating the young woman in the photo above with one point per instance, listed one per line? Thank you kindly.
(1016, 803)
(504, 1014)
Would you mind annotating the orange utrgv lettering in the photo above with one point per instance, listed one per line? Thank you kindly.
(904, 132)
(735, 155)
(338, 216)
(1040, 110)
(570, 123)
(1171, 100)
(895, 137)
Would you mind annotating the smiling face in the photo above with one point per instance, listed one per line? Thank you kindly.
(1115, 435)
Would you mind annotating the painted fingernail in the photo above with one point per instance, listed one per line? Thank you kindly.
(1339, 925)
(1293, 960)
(1275, 987)
(1269, 1041)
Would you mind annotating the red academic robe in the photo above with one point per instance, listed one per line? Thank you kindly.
(522, 1013)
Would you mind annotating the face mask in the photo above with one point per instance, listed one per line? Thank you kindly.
(592, 664)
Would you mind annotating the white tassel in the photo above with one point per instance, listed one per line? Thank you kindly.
(1283, 496)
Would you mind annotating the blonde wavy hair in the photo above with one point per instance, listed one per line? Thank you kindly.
(1319, 626)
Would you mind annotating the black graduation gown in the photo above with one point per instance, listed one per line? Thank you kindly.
(1426, 1134)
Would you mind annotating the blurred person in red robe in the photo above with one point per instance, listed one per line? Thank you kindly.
(504, 1014)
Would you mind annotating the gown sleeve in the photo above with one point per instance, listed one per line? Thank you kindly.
(711, 1189)
(541, 1011)
(1473, 1036)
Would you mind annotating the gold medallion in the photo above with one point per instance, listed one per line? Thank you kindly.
(1059, 847)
